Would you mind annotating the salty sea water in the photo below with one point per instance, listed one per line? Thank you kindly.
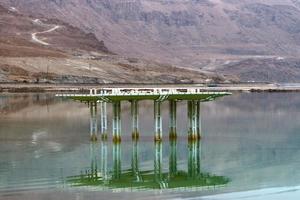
(250, 142)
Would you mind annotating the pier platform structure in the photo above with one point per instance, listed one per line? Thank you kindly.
(100, 97)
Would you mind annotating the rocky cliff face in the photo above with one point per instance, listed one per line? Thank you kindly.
(202, 34)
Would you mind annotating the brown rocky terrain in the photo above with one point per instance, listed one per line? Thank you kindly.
(46, 50)
(205, 35)
(276, 69)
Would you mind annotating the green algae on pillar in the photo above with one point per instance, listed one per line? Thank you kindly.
(173, 120)
(198, 120)
(135, 119)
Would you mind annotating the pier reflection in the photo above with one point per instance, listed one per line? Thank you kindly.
(113, 175)
(135, 178)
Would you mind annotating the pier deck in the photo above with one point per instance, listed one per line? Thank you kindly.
(111, 95)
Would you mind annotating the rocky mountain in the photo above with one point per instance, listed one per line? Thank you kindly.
(201, 34)
(42, 49)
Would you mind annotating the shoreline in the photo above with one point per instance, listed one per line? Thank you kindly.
(273, 193)
(59, 88)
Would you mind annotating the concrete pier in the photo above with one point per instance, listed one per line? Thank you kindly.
(158, 95)
(116, 121)
(135, 119)
(172, 120)
(93, 121)
(157, 121)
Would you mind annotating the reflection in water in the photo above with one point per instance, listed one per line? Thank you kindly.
(173, 158)
(253, 139)
(104, 171)
(135, 178)
(194, 160)
(158, 165)
(157, 178)
(135, 162)
(117, 161)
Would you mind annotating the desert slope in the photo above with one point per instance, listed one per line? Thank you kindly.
(175, 26)
(37, 49)
(202, 34)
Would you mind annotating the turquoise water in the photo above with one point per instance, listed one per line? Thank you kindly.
(249, 141)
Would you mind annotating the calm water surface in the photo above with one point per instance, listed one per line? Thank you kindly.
(249, 141)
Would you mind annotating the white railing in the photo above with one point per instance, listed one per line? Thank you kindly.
(139, 93)
(118, 91)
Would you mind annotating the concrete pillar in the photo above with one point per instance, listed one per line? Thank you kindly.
(173, 158)
(117, 161)
(117, 122)
(158, 121)
(194, 118)
(103, 120)
(193, 124)
(93, 91)
(198, 120)
(135, 119)
(190, 119)
(173, 120)
(104, 155)
(93, 121)
(189, 115)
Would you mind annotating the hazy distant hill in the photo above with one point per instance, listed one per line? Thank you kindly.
(203, 34)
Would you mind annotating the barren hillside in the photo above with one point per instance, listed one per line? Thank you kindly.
(202, 34)
(40, 49)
